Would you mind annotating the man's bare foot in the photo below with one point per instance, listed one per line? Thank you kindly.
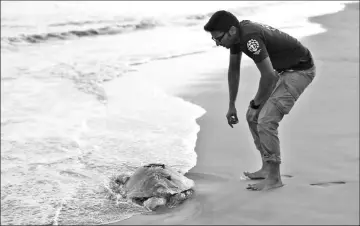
(268, 183)
(273, 179)
(258, 175)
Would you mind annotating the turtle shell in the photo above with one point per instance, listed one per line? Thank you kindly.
(156, 180)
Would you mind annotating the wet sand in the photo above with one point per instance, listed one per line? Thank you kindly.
(319, 144)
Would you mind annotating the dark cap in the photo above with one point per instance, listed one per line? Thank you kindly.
(221, 21)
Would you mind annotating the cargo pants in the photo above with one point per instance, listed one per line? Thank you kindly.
(264, 128)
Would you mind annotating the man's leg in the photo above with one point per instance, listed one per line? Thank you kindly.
(268, 124)
(281, 101)
(253, 126)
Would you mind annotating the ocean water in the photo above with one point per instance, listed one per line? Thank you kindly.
(77, 107)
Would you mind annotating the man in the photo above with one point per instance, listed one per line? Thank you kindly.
(286, 69)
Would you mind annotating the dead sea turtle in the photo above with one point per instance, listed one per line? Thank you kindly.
(156, 185)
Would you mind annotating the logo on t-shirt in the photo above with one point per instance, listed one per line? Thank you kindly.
(252, 45)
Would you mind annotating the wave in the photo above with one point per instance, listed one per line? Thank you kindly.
(107, 30)
(15, 26)
(88, 28)
(199, 16)
(178, 55)
(166, 57)
(81, 23)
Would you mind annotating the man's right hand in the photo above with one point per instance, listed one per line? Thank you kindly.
(232, 116)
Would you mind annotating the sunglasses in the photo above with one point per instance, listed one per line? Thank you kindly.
(218, 39)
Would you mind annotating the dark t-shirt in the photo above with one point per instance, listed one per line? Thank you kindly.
(259, 41)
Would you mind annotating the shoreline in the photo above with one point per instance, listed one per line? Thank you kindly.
(327, 167)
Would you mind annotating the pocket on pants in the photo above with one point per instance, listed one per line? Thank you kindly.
(254, 112)
(297, 81)
(282, 98)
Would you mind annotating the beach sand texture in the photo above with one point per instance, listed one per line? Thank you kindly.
(319, 143)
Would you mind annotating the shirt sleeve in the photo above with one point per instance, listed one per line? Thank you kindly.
(255, 48)
(235, 49)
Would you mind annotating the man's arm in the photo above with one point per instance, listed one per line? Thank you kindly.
(234, 76)
(267, 82)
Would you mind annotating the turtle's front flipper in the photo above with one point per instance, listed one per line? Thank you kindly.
(176, 199)
(154, 202)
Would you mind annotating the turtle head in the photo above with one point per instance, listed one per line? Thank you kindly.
(155, 165)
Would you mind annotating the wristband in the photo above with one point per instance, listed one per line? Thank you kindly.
(253, 106)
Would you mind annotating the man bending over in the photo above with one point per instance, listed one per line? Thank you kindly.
(286, 69)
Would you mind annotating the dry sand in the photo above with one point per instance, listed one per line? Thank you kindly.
(319, 144)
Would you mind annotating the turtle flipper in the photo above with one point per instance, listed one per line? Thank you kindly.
(154, 202)
(178, 198)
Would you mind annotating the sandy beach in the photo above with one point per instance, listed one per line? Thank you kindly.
(319, 143)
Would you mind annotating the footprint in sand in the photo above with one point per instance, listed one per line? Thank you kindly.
(326, 184)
